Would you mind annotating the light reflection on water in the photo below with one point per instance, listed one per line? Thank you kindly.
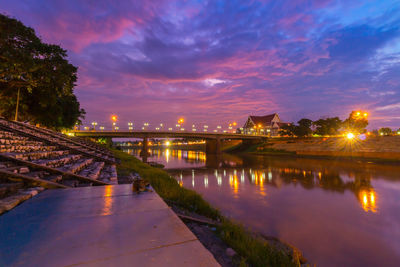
(339, 213)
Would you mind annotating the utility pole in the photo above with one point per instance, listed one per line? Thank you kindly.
(16, 109)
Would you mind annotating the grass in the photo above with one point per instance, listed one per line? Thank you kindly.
(253, 250)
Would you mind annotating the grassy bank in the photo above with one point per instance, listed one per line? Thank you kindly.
(253, 249)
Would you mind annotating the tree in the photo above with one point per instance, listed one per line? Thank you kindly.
(356, 122)
(303, 128)
(328, 126)
(385, 131)
(287, 130)
(35, 78)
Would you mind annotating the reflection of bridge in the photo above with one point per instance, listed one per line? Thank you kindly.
(213, 140)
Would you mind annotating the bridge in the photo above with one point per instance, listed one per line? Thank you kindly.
(213, 140)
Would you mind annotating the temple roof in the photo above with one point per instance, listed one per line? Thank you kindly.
(267, 119)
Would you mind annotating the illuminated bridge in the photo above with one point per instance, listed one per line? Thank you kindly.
(213, 140)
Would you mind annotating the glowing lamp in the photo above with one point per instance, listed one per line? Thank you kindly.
(350, 136)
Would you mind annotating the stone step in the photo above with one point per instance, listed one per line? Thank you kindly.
(93, 171)
(109, 174)
(38, 155)
(76, 166)
(18, 169)
(25, 148)
(9, 188)
(59, 161)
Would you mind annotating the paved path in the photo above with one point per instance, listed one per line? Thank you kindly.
(98, 226)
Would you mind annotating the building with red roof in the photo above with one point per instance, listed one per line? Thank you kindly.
(266, 125)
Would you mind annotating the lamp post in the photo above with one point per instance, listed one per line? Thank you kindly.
(114, 119)
(94, 125)
(130, 126)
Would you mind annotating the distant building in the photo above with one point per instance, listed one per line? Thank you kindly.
(266, 125)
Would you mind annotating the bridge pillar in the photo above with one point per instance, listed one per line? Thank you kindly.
(109, 142)
(251, 142)
(145, 148)
(213, 146)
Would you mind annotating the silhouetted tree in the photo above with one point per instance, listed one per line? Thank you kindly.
(356, 122)
(303, 128)
(37, 74)
(385, 131)
(328, 126)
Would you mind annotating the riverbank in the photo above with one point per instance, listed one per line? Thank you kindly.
(377, 148)
(251, 249)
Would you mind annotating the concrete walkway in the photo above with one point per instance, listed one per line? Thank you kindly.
(98, 226)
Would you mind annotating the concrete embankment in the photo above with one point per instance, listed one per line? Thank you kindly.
(374, 147)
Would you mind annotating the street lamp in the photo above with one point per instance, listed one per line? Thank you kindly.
(101, 128)
(114, 119)
(94, 125)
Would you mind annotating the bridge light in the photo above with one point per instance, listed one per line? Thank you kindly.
(130, 128)
(142, 128)
(178, 125)
(206, 126)
(86, 128)
(157, 128)
(101, 128)
(169, 129)
(205, 130)
(114, 118)
(116, 128)
(224, 131)
(193, 130)
(215, 131)
(181, 120)
(234, 123)
(182, 129)
(219, 127)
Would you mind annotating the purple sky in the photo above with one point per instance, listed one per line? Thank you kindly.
(215, 62)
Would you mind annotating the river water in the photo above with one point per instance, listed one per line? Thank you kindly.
(337, 212)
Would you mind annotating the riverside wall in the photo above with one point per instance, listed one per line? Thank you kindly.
(382, 147)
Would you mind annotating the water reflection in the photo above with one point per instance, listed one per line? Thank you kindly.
(339, 213)
(327, 180)
(107, 196)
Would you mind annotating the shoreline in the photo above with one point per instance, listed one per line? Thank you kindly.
(244, 247)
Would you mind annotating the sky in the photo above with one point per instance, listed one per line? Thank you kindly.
(215, 62)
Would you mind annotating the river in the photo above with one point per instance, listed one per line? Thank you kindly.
(337, 212)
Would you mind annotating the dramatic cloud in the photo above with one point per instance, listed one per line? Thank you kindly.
(216, 62)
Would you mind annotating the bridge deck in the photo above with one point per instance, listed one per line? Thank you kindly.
(98, 226)
(168, 134)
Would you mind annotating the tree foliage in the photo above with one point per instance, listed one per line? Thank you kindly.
(328, 126)
(43, 75)
(385, 131)
(301, 130)
(356, 122)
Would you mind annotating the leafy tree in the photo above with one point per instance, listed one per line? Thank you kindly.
(287, 130)
(356, 122)
(385, 131)
(328, 126)
(36, 77)
(303, 128)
